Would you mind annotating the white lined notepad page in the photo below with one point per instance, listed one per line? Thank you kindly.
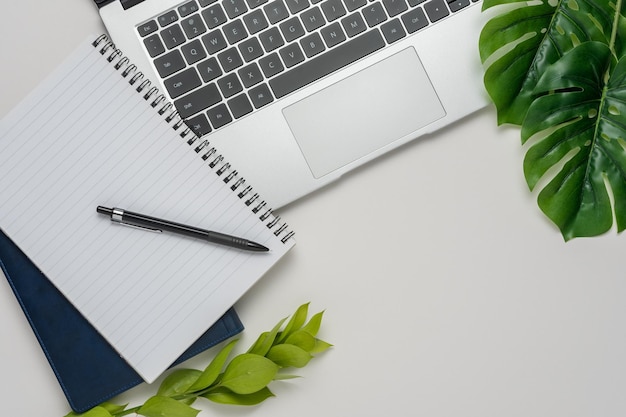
(86, 137)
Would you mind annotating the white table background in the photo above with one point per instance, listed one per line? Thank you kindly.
(446, 292)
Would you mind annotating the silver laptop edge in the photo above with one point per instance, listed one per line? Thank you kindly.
(262, 145)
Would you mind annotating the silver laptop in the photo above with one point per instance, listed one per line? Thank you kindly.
(298, 92)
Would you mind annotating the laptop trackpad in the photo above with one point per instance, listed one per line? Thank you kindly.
(364, 112)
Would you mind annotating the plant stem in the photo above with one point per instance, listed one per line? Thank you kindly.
(618, 13)
(179, 397)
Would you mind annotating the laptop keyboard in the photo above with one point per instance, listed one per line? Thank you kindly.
(223, 59)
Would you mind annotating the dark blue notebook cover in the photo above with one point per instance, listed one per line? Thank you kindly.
(89, 370)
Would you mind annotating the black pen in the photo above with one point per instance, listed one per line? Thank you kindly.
(152, 223)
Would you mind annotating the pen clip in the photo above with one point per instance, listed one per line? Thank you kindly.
(136, 226)
(117, 217)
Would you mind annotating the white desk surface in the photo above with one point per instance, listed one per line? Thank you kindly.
(447, 293)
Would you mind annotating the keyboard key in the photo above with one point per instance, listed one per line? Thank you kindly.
(333, 9)
(271, 39)
(456, 5)
(193, 26)
(260, 96)
(271, 65)
(395, 7)
(188, 8)
(414, 3)
(333, 35)
(296, 6)
(235, 31)
(250, 75)
(292, 29)
(415, 20)
(353, 24)
(214, 16)
(234, 8)
(198, 100)
(255, 21)
(167, 18)
(214, 41)
(276, 11)
(352, 5)
(204, 3)
(312, 19)
(312, 45)
(230, 85)
(219, 116)
(292, 54)
(154, 45)
(209, 69)
(230, 59)
(393, 30)
(250, 49)
(169, 63)
(172, 36)
(199, 125)
(182, 83)
(193, 52)
(436, 10)
(374, 14)
(239, 106)
(327, 63)
(147, 28)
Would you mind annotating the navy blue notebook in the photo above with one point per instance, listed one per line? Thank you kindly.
(89, 370)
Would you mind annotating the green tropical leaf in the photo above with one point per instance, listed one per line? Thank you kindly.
(159, 406)
(302, 339)
(295, 323)
(224, 396)
(289, 355)
(320, 346)
(555, 68)
(212, 371)
(113, 408)
(178, 382)
(265, 341)
(248, 373)
(525, 38)
(579, 118)
(313, 326)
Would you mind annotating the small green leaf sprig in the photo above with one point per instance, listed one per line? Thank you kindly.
(242, 381)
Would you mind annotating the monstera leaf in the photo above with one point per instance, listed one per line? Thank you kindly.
(556, 69)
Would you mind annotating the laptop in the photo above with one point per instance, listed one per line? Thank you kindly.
(297, 93)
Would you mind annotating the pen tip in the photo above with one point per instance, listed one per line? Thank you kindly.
(257, 247)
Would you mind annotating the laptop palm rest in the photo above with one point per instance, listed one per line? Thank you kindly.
(364, 112)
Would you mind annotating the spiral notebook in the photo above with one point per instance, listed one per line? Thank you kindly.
(96, 132)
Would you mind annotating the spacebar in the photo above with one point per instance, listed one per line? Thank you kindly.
(326, 63)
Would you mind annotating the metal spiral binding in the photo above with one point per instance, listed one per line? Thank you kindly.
(245, 191)
(138, 76)
(237, 183)
(222, 168)
(150, 93)
(165, 108)
(209, 153)
(122, 62)
(144, 84)
(114, 55)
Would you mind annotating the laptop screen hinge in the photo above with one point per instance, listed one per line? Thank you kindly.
(127, 4)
